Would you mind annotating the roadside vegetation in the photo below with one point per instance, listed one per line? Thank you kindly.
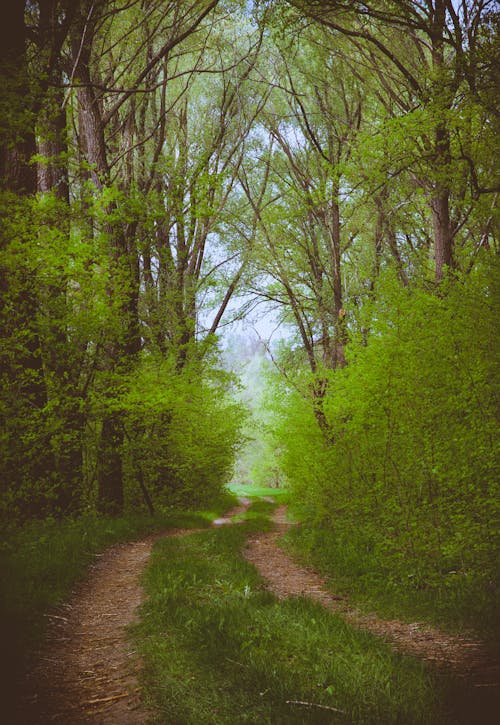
(399, 500)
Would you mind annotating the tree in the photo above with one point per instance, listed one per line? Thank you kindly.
(301, 202)
(430, 50)
(26, 452)
(192, 194)
(102, 111)
(164, 161)
(96, 114)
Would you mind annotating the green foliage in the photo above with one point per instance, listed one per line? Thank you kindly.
(59, 322)
(51, 319)
(182, 432)
(220, 649)
(165, 203)
(404, 502)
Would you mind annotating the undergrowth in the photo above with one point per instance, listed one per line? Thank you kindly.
(454, 601)
(41, 562)
(218, 648)
(400, 500)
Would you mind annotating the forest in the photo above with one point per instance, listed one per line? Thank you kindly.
(173, 169)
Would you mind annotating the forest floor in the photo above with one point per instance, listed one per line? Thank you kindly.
(87, 670)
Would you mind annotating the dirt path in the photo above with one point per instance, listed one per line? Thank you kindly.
(286, 578)
(87, 671)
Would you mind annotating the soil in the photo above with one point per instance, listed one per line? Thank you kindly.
(86, 671)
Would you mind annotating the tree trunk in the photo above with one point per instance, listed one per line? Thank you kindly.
(62, 366)
(443, 239)
(17, 142)
(27, 462)
(52, 174)
(124, 281)
(110, 474)
(339, 360)
(440, 203)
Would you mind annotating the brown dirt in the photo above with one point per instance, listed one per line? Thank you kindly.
(234, 512)
(86, 671)
(284, 577)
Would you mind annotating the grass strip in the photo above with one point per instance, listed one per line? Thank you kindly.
(218, 648)
(279, 495)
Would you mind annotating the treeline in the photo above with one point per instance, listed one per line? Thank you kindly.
(120, 145)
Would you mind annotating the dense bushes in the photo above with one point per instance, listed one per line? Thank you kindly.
(406, 496)
(182, 433)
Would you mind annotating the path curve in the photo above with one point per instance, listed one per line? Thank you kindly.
(285, 578)
(87, 671)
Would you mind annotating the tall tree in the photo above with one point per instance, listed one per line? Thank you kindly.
(25, 454)
(427, 48)
(139, 101)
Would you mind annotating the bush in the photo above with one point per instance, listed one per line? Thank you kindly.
(182, 433)
(407, 494)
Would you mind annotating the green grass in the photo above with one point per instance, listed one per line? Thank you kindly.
(280, 495)
(258, 509)
(220, 649)
(41, 562)
(454, 602)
